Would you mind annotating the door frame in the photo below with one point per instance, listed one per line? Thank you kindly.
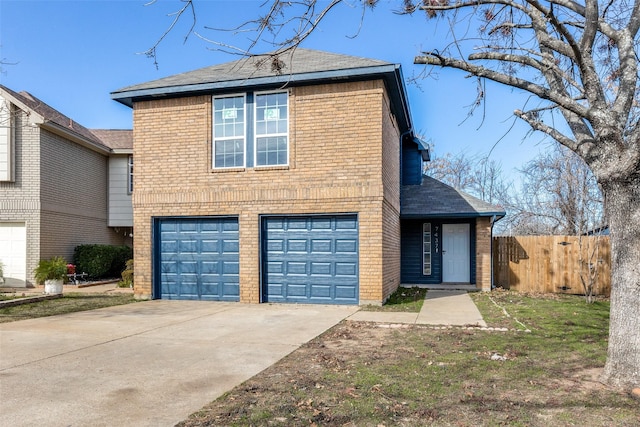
(466, 257)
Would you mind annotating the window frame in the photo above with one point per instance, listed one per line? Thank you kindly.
(7, 121)
(268, 135)
(130, 174)
(213, 131)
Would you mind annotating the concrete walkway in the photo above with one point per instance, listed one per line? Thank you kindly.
(453, 308)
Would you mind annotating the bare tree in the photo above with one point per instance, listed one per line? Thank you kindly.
(578, 59)
(455, 170)
(559, 195)
(478, 176)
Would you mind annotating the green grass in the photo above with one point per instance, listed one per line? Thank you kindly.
(358, 374)
(404, 299)
(69, 303)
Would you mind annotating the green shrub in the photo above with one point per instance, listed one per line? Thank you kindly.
(127, 276)
(101, 261)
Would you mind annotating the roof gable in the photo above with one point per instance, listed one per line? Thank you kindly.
(435, 199)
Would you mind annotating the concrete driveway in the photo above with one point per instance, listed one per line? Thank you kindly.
(146, 364)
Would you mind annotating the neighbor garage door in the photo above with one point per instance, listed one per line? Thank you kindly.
(198, 258)
(310, 259)
(13, 253)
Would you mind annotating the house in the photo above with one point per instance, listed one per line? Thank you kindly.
(281, 179)
(61, 185)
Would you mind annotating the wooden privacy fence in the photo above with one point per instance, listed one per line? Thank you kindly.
(552, 264)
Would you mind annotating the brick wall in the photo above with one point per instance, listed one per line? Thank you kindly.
(19, 200)
(483, 253)
(73, 197)
(391, 205)
(336, 154)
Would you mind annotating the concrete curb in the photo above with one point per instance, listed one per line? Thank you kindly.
(27, 300)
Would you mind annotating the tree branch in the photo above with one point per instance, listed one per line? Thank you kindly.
(435, 58)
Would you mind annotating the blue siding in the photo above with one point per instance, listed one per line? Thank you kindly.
(411, 164)
(411, 251)
(310, 259)
(197, 258)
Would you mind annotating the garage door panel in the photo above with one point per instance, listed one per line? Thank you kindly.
(320, 268)
(347, 246)
(230, 246)
(320, 223)
(346, 269)
(209, 247)
(346, 293)
(230, 268)
(320, 256)
(199, 259)
(298, 246)
(321, 291)
(321, 245)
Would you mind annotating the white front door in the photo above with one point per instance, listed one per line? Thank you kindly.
(455, 253)
(13, 253)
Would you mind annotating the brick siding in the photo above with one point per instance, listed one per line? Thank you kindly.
(483, 253)
(335, 162)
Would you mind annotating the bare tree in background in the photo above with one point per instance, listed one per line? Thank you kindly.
(559, 195)
(578, 60)
(478, 176)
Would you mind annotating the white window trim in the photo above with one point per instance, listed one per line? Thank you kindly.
(213, 132)
(255, 133)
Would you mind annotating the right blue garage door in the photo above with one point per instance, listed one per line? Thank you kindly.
(310, 259)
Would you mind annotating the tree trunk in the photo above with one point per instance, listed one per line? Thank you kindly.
(622, 204)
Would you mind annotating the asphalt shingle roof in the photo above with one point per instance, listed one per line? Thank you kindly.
(116, 139)
(50, 114)
(435, 199)
(298, 61)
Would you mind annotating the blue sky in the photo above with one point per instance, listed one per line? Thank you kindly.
(72, 54)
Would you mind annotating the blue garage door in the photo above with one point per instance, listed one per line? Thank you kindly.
(310, 259)
(198, 259)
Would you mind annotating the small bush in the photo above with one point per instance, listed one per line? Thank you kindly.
(127, 276)
(101, 261)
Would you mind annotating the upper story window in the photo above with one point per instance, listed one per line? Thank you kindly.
(272, 129)
(6, 140)
(130, 174)
(251, 130)
(229, 132)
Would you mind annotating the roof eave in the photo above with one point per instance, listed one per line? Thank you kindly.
(460, 215)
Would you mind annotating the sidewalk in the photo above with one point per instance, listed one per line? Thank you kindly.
(448, 308)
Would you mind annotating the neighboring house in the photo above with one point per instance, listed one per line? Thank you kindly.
(283, 180)
(54, 185)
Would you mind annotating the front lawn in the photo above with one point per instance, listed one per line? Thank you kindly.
(360, 374)
(69, 303)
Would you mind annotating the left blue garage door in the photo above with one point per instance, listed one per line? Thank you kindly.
(198, 258)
